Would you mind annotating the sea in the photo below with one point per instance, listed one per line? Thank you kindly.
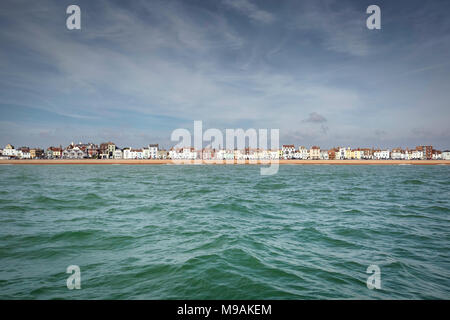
(224, 232)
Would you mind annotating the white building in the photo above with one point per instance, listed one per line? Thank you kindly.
(118, 154)
(340, 155)
(437, 155)
(129, 153)
(407, 155)
(238, 155)
(288, 151)
(323, 154)
(24, 153)
(314, 153)
(174, 154)
(445, 155)
(381, 154)
(153, 151)
(304, 153)
(224, 154)
(189, 153)
(220, 154)
(186, 153)
(274, 155)
(146, 153)
(9, 151)
(74, 153)
(417, 154)
(397, 154)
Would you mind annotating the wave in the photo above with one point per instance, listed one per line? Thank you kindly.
(413, 181)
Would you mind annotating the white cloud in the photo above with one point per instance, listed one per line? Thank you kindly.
(251, 10)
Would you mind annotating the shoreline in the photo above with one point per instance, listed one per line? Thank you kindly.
(221, 162)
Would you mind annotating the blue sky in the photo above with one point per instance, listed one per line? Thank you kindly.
(137, 70)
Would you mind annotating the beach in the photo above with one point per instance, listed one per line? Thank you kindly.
(218, 162)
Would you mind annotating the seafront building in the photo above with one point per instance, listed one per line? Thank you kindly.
(9, 151)
(54, 152)
(445, 155)
(109, 150)
(288, 151)
(314, 153)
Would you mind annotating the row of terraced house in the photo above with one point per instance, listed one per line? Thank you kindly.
(109, 150)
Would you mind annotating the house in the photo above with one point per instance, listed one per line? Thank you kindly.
(53, 153)
(332, 153)
(92, 150)
(348, 153)
(73, 153)
(186, 153)
(107, 150)
(314, 153)
(237, 155)
(407, 154)
(274, 154)
(417, 154)
(220, 154)
(437, 155)
(24, 153)
(129, 153)
(3, 157)
(288, 151)
(10, 151)
(265, 154)
(224, 154)
(208, 154)
(304, 153)
(397, 154)
(36, 153)
(340, 155)
(358, 154)
(381, 154)
(427, 151)
(175, 154)
(445, 155)
(153, 150)
(368, 153)
(250, 154)
(323, 154)
(189, 153)
(162, 154)
(146, 153)
(118, 154)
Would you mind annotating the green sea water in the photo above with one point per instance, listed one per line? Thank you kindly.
(224, 232)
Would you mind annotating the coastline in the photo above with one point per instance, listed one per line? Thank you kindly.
(220, 162)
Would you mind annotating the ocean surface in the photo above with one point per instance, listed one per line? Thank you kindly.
(224, 232)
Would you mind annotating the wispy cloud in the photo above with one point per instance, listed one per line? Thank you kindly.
(339, 27)
(152, 66)
(251, 10)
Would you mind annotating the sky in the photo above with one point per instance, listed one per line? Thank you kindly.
(137, 70)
